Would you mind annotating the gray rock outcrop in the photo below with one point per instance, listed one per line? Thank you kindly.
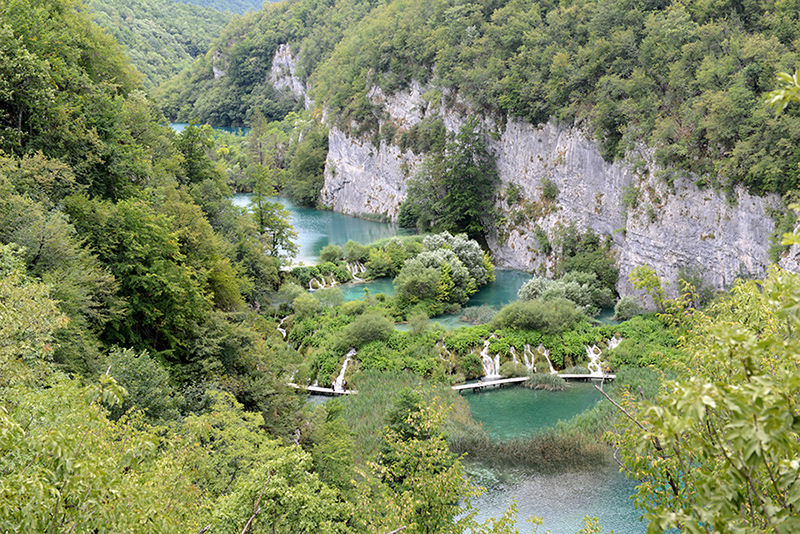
(669, 227)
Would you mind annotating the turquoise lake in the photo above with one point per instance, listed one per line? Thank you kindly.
(563, 496)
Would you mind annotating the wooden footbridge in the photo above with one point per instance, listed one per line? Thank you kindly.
(317, 390)
(500, 382)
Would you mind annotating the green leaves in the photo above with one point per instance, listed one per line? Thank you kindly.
(719, 450)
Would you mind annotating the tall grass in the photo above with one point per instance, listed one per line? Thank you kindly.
(365, 412)
(574, 443)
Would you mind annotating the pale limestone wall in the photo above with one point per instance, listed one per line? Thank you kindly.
(669, 228)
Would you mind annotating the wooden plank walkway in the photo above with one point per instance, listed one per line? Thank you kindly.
(490, 383)
(317, 390)
(520, 379)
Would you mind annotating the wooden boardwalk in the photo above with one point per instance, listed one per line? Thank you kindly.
(518, 380)
(317, 390)
(491, 383)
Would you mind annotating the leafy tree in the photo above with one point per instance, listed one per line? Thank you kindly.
(455, 189)
(718, 450)
(427, 479)
(307, 168)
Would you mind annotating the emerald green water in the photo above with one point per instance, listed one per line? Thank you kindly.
(318, 228)
(518, 411)
(563, 496)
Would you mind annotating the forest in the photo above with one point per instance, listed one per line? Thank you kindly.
(152, 333)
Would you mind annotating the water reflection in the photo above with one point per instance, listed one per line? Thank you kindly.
(318, 228)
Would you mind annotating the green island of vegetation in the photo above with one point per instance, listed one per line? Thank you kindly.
(151, 332)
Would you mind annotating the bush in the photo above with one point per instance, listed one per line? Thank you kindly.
(553, 317)
(331, 253)
(306, 306)
(512, 369)
(547, 382)
(626, 308)
(470, 365)
(355, 251)
(369, 327)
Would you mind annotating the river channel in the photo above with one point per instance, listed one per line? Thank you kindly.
(563, 496)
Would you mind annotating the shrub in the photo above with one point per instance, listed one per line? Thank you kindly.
(512, 369)
(470, 365)
(331, 253)
(355, 251)
(329, 297)
(550, 317)
(368, 327)
(547, 382)
(549, 189)
(626, 308)
(355, 307)
(306, 306)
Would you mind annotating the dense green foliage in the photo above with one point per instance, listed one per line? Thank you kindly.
(686, 78)
(234, 6)
(454, 190)
(162, 37)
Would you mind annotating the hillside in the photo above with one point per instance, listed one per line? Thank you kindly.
(686, 78)
(161, 37)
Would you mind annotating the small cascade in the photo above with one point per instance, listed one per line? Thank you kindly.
(595, 365)
(282, 330)
(355, 268)
(491, 366)
(319, 283)
(546, 353)
(513, 352)
(446, 356)
(529, 358)
(338, 384)
(614, 342)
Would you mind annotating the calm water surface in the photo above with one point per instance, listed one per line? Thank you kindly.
(319, 228)
(563, 497)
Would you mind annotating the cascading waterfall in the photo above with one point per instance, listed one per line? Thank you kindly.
(355, 268)
(338, 384)
(326, 281)
(491, 366)
(595, 365)
(282, 330)
(546, 353)
(529, 359)
(614, 342)
(446, 356)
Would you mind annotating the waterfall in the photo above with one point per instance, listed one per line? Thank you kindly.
(338, 384)
(491, 366)
(326, 281)
(546, 353)
(445, 355)
(595, 365)
(614, 342)
(281, 330)
(529, 358)
(355, 268)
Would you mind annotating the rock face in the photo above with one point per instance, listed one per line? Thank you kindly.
(649, 222)
(282, 75)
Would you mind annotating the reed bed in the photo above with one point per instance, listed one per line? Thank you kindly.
(365, 413)
(546, 381)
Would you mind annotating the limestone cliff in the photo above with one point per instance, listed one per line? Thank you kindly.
(649, 221)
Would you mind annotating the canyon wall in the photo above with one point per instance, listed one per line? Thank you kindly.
(667, 226)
